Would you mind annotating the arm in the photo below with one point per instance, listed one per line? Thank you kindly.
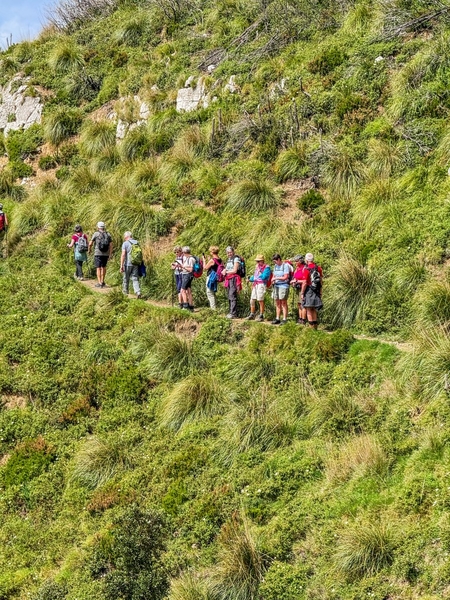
(122, 259)
(265, 274)
(208, 264)
(110, 249)
(71, 245)
(236, 264)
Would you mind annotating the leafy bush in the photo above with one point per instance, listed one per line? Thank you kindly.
(310, 201)
(47, 162)
(29, 460)
(20, 169)
(22, 143)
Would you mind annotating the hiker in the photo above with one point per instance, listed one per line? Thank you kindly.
(299, 277)
(232, 281)
(102, 252)
(177, 271)
(280, 293)
(130, 261)
(214, 268)
(79, 243)
(260, 280)
(311, 293)
(3, 226)
(187, 276)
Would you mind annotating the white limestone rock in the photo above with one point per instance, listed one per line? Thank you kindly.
(231, 86)
(17, 110)
(191, 98)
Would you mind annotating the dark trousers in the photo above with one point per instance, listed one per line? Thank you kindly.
(232, 296)
(79, 268)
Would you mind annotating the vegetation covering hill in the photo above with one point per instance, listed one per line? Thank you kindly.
(149, 454)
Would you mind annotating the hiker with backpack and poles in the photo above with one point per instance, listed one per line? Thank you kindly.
(282, 272)
(214, 268)
(311, 292)
(102, 252)
(300, 276)
(130, 261)
(79, 243)
(3, 228)
(260, 280)
(187, 276)
(234, 271)
(177, 272)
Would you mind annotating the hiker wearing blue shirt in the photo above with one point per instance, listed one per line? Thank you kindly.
(281, 278)
(260, 280)
(129, 270)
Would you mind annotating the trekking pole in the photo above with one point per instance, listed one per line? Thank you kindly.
(173, 288)
(6, 243)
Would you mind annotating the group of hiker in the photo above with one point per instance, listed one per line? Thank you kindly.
(131, 259)
(301, 274)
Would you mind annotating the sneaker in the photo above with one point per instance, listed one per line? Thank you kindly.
(98, 285)
(138, 297)
(283, 322)
(80, 278)
(190, 307)
(230, 316)
(260, 318)
(103, 284)
(301, 322)
(251, 317)
(276, 322)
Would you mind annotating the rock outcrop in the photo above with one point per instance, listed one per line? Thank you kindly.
(17, 109)
(190, 98)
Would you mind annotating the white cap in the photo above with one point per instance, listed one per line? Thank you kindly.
(100, 225)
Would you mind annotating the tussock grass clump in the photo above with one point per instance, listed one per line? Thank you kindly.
(100, 460)
(173, 358)
(352, 286)
(241, 568)
(364, 549)
(96, 137)
(189, 587)
(196, 397)
(132, 31)
(253, 196)
(337, 413)
(359, 456)
(84, 180)
(136, 144)
(384, 157)
(65, 57)
(292, 163)
(432, 304)
(343, 173)
(61, 124)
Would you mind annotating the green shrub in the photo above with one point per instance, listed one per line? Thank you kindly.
(51, 590)
(65, 57)
(27, 462)
(47, 162)
(22, 143)
(327, 60)
(20, 169)
(96, 137)
(310, 201)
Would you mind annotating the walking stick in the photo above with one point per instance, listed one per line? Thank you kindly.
(6, 243)
(173, 288)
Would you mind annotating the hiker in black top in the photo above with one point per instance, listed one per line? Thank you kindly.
(210, 265)
(3, 226)
(102, 252)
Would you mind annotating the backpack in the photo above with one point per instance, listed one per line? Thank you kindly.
(242, 270)
(136, 257)
(316, 281)
(197, 270)
(291, 270)
(219, 271)
(104, 240)
(82, 245)
(2, 221)
(269, 281)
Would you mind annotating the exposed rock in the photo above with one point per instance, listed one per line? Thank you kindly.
(379, 59)
(278, 89)
(190, 98)
(211, 68)
(16, 109)
(232, 86)
(136, 117)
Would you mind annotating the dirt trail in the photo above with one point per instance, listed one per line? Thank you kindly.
(402, 346)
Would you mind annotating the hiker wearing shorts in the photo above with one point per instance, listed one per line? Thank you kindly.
(102, 252)
(299, 277)
(80, 255)
(311, 294)
(187, 276)
(177, 271)
(210, 265)
(259, 280)
(232, 281)
(280, 293)
(3, 226)
(130, 271)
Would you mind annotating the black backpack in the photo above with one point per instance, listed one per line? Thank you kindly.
(242, 270)
(82, 245)
(316, 280)
(104, 239)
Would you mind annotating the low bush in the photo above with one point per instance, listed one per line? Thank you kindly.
(310, 201)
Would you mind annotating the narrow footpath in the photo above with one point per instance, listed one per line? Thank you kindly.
(90, 284)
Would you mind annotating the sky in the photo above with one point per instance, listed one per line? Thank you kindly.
(23, 19)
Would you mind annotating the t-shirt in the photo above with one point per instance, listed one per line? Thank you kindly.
(279, 271)
(188, 261)
(127, 247)
(97, 251)
(178, 259)
(79, 255)
(302, 274)
(231, 263)
(314, 266)
(77, 236)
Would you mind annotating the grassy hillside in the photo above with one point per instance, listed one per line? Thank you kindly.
(149, 454)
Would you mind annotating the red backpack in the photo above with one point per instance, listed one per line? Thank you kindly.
(2, 221)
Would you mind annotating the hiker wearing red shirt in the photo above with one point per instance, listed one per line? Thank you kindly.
(311, 292)
(301, 275)
(3, 227)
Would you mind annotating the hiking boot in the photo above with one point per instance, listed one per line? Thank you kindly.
(230, 316)
(301, 322)
(138, 297)
(190, 307)
(276, 322)
(103, 284)
(251, 317)
(185, 306)
(283, 322)
(180, 305)
(260, 318)
(98, 285)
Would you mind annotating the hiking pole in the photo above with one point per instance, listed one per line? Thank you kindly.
(173, 288)
(6, 243)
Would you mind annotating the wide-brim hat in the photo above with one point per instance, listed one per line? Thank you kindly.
(259, 257)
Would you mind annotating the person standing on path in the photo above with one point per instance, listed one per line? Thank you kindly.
(130, 270)
(3, 227)
(259, 281)
(311, 293)
(281, 276)
(187, 276)
(299, 277)
(177, 272)
(232, 281)
(79, 243)
(102, 252)
(210, 266)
